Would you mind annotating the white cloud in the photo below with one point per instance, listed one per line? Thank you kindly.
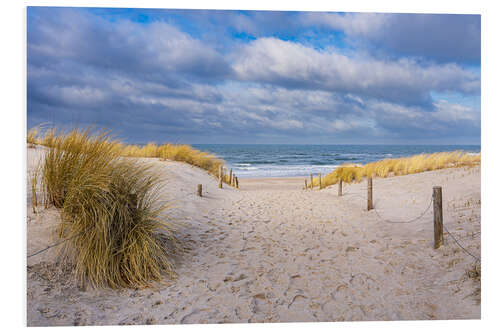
(292, 65)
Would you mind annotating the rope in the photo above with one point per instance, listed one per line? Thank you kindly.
(409, 221)
(463, 248)
(56, 244)
(417, 218)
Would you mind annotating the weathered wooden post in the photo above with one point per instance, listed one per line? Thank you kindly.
(312, 181)
(236, 182)
(340, 188)
(370, 193)
(305, 183)
(220, 176)
(199, 190)
(319, 179)
(437, 197)
(231, 176)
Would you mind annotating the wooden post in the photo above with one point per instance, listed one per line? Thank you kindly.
(312, 181)
(340, 187)
(236, 182)
(437, 197)
(199, 190)
(231, 177)
(370, 193)
(220, 176)
(319, 180)
(305, 183)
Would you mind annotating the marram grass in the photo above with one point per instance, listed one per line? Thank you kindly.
(399, 166)
(174, 152)
(111, 211)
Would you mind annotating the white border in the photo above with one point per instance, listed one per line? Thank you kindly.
(13, 187)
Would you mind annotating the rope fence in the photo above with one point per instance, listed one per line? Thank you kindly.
(54, 245)
(436, 198)
(402, 222)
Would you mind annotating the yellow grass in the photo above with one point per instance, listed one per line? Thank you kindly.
(174, 152)
(32, 136)
(400, 166)
(111, 212)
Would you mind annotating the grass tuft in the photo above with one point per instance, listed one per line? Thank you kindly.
(110, 208)
(32, 136)
(174, 152)
(400, 166)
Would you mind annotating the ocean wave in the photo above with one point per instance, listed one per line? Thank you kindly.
(273, 170)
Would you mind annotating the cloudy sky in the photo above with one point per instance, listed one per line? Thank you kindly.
(256, 77)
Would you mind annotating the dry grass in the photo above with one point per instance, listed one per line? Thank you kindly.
(174, 152)
(400, 166)
(180, 153)
(110, 208)
(32, 136)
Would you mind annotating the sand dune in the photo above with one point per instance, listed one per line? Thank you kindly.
(274, 252)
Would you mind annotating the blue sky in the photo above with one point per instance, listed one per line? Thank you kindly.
(201, 76)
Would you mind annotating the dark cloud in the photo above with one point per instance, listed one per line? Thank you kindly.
(439, 37)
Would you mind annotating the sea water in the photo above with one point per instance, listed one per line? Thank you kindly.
(270, 160)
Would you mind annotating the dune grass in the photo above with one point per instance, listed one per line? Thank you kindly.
(400, 166)
(32, 136)
(111, 212)
(174, 152)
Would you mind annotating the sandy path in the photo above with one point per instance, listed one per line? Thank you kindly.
(273, 252)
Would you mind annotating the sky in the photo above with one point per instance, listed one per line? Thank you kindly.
(211, 76)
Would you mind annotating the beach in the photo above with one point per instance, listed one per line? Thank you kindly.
(272, 251)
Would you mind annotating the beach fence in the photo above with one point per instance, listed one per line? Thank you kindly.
(227, 177)
(436, 201)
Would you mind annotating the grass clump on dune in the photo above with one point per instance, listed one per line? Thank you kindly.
(174, 152)
(399, 167)
(110, 208)
(32, 136)
(187, 154)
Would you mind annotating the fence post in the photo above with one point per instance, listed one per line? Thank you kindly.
(199, 190)
(236, 182)
(319, 179)
(231, 177)
(312, 181)
(305, 183)
(437, 197)
(340, 187)
(370, 193)
(220, 176)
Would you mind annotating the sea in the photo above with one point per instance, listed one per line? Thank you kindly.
(283, 160)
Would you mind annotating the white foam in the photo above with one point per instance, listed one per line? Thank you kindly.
(270, 170)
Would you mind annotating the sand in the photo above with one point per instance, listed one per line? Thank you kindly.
(274, 252)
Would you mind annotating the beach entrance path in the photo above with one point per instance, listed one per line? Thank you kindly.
(274, 252)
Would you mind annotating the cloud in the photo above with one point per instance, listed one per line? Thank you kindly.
(441, 37)
(157, 51)
(293, 65)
